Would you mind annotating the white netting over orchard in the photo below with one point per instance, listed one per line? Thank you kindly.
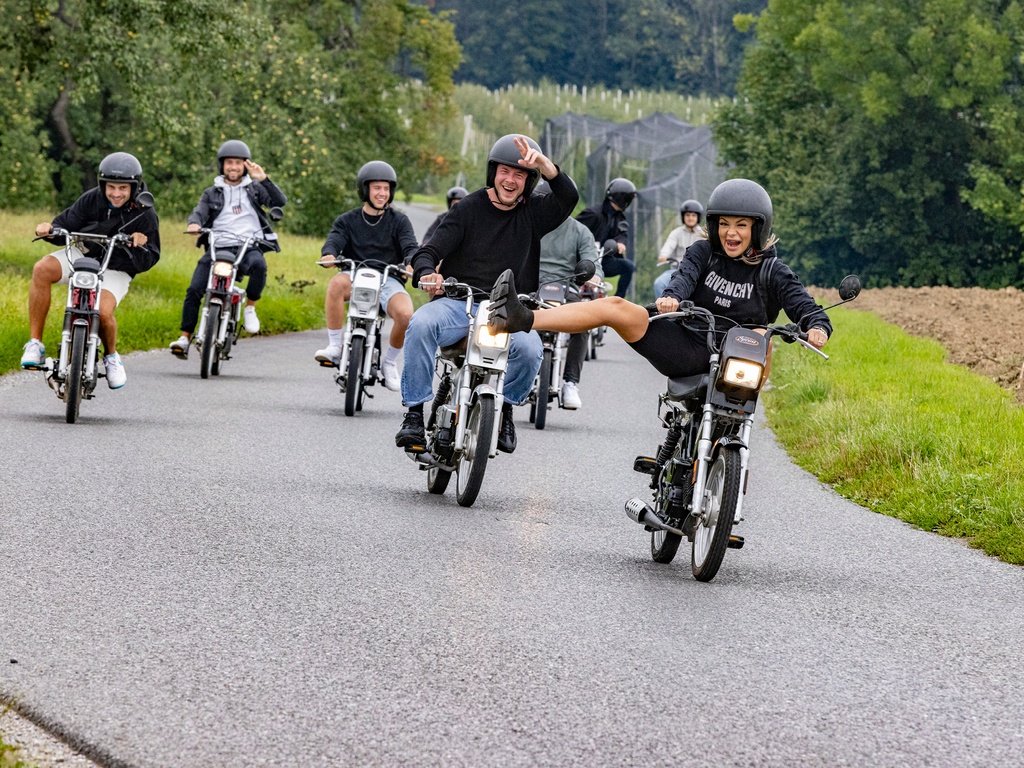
(669, 161)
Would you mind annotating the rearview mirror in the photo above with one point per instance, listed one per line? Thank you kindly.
(849, 288)
(275, 213)
(145, 199)
(584, 271)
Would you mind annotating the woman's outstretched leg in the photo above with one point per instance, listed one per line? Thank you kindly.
(508, 314)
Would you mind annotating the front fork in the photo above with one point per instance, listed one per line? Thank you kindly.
(491, 382)
(706, 454)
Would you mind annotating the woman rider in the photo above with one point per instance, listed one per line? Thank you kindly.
(734, 274)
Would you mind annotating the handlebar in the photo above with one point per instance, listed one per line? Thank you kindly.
(350, 265)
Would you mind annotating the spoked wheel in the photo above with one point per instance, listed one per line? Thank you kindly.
(664, 545)
(543, 391)
(711, 534)
(210, 341)
(469, 475)
(353, 381)
(73, 382)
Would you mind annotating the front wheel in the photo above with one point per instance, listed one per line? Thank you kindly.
(210, 341)
(354, 379)
(469, 475)
(721, 495)
(543, 391)
(73, 383)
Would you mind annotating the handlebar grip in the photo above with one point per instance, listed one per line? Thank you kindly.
(652, 309)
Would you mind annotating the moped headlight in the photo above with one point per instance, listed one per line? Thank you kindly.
(85, 280)
(223, 268)
(742, 373)
(363, 298)
(485, 338)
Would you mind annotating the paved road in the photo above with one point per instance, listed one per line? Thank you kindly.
(231, 572)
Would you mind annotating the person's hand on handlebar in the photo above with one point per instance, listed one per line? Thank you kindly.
(44, 229)
(666, 304)
(432, 284)
(192, 229)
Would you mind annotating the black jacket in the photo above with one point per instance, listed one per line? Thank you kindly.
(748, 294)
(606, 223)
(92, 213)
(262, 194)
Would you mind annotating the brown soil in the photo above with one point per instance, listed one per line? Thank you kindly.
(976, 326)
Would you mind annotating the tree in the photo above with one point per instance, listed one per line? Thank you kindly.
(864, 120)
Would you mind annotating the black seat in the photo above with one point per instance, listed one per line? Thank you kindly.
(87, 264)
(455, 351)
(688, 388)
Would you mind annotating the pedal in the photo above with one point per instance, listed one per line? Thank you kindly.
(735, 542)
(327, 364)
(34, 367)
(646, 465)
(415, 450)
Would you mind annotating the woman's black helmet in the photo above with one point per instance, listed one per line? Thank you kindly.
(120, 167)
(455, 193)
(505, 152)
(741, 197)
(621, 192)
(691, 206)
(232, 148)
(376, 170)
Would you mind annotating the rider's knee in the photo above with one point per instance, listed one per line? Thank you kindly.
(46, 270)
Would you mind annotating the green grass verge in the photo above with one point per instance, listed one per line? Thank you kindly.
(9, 757)
(895, 428)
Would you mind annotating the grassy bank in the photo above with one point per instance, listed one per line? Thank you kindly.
(893, 427)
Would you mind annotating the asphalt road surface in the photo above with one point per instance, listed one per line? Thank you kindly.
(232, 573)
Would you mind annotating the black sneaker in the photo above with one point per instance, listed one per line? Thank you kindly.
(508, 315)
(412, 436)
(506, 433)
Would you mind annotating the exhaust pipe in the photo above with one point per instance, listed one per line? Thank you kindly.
(641, 512)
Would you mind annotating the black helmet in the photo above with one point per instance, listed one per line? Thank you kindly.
(741, 197)
(455, 193)
(505, 152)
(621, 192)
(232, 148)
(121, 167)
(376, 170)
(691, 206)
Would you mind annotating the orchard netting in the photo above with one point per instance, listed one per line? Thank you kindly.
(670, 161)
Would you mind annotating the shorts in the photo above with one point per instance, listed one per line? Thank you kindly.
(674, 349)
(391, 288)
(115, 283)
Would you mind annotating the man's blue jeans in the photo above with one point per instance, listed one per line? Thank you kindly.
(442, 322)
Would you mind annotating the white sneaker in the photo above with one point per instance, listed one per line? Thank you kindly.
(389, 370)
(35, 354)
(329, 354)
(179, 347)
(116, 377)
(249, 319)
(570, 396)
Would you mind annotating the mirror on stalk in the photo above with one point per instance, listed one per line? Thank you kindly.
(849, 288)
(584, 271)
(145, 199)
(275, 213)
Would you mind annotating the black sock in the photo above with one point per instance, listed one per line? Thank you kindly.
(416, 409)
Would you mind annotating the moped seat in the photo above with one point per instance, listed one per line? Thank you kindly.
(86, 264)
(688, 387)
(456, 350)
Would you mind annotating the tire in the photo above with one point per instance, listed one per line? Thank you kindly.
(354, 379)
(711, 534)
(76, 368)
(437, 480)
(593, 345)
(469, 476)
(543, 391)
(210, 341)
(664, 545)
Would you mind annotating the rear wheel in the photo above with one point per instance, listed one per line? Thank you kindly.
(210, 341)
(353, 380)
(473, 461)
(437, 480)
(76, 366)
(543, 391)
(721, 495)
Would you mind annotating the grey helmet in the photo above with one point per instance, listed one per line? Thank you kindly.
(232, 148)
(120, 167)
(621, 192)
(741, 197)
(455, 193)
(376, 170)
(691, 206)
(542, 188)
(505, 152)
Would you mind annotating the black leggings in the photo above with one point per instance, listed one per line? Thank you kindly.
(673, 349)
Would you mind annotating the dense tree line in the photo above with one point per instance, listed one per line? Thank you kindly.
(316, 88)
(889, 137)
(690, 46)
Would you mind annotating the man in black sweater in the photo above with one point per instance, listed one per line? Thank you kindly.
(608, 222)
(373, 232)
(491, 230)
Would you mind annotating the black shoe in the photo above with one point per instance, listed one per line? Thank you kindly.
(506, 433)
(508, 315)
(412, 436)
